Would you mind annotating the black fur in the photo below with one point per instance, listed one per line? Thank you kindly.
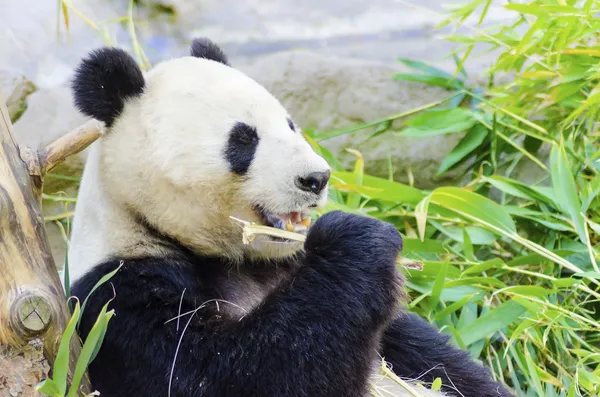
(291, 124)
(241, 146)
(417, 350)
(103, 81)
(205, 48)
(315, 334)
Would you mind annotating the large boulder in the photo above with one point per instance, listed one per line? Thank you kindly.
(326, 93)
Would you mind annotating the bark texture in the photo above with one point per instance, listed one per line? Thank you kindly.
(33, 310)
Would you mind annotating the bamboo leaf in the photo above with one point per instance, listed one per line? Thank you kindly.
(49, 388)
(61, 363)
(90, 348)
(103, 280)
(464, 148)
(491, 322)
(379, 188)
(438, 122)
(475, 206)
(565, 189)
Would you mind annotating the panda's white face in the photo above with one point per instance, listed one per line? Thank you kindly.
(203, 143)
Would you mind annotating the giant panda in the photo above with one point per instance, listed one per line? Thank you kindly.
(187, 146)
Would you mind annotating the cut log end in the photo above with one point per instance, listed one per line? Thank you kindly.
(31, 316)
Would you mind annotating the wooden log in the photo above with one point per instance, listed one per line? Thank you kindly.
(33, 307)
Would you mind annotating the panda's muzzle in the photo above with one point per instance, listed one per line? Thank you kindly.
(294, 221)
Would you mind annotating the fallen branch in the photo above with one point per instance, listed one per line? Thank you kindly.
(250, 230)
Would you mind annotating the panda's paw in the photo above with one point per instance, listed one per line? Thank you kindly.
(360, 238)
(356, 258)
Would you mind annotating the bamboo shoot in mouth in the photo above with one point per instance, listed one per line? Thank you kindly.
(251, 229)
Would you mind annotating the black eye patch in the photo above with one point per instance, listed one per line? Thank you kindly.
(241, 146)
(291, 124)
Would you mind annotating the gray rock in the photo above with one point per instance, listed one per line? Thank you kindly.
(15, 88)
(325, 94)
(9, 79)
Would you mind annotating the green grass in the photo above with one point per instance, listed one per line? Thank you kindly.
(510, 267)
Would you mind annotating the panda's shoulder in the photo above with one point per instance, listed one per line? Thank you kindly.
(133, 278)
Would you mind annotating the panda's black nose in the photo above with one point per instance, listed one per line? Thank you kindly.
(314, 182)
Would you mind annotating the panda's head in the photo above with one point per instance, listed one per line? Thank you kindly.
(194, 142)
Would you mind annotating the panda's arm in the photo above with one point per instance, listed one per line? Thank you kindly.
(313, 336)
(416, 349)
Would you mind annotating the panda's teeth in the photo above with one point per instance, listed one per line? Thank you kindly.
(295, 217)
(289, 226)
(300, 228)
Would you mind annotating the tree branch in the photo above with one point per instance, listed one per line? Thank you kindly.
(69, 144)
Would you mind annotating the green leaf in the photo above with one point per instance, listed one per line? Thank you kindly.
(454, 307)
(49, 388)
(436, 384)
(433, 268)
(353, 200)
(99, 283)
(476, 281)
(428, 79)
(595, 275)
(438, 122)
(421, 216)
(545, 219)
(466, 146)
(518, 189)
(323, 152)
(496, 263)
(474, 207)
(378, 188)
(438, 285)
(61, 364)
(533, 372)
(90, 348)
(468, 246)
(380, 129)
(565, 189)
(564, 282)
(477, 235)
(529, 290)
(491, 322)
(424, 67)
(427, 245)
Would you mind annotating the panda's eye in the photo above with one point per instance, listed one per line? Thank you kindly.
(245, 134)
(241, 146)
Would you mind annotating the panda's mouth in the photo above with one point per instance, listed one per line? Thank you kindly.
(296, 221)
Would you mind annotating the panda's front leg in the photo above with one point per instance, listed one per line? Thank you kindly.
(417, 350)
(316, 335)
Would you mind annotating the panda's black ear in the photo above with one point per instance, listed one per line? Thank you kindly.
(205, 48)
(103, 81)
